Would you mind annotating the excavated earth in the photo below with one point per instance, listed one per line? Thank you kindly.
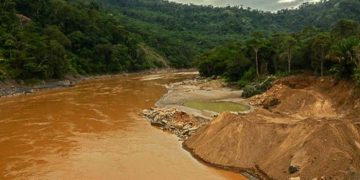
(304, 127)
(173, 116)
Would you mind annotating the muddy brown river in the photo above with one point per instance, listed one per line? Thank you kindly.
(94, 131)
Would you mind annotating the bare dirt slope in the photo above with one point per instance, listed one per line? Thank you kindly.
(304, 126)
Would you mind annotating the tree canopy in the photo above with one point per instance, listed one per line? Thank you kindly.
(52, 38)
(323, 52)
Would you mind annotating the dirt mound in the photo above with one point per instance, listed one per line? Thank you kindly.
(306, 96)
(314, 149)
(304, 126)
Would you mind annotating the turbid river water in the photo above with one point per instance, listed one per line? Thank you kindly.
(94, 131)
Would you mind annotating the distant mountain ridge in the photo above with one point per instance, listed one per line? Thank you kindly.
(267, 5)
(321, 15)
(180, 32)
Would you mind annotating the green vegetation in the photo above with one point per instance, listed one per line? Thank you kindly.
(217, 106)
(51, 38)
(182, 32)
(44, 39)
(335, 52)
(257, 86)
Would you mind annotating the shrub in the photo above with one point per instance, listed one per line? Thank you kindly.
(257, 88)
(249, 75)
(249, 90)
(242, 83)
(247, 78)
(266, 84)
(357, 76)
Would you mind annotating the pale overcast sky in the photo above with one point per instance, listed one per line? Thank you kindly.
(268, 5)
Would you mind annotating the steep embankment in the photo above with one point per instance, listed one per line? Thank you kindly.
(304, 126)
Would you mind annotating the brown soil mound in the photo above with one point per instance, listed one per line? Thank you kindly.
(305, 127)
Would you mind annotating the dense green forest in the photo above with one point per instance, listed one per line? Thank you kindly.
(334, 52)
(180, 32)
(52, 38)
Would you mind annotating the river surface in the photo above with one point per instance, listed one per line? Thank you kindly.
(94, 131)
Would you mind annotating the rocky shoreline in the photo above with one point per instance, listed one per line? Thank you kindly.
(172, 116)
(14, 89)
(304, 127)
(174, 121)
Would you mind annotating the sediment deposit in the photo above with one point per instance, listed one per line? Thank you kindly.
(304, 127)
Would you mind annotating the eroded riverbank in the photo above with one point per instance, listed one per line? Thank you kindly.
(93, 131)
(191, 104)
(304, 127)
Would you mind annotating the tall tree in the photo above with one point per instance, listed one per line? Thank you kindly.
(345, 28)
(321, 45)
(256, 42)
(55, 62)
(290, 43)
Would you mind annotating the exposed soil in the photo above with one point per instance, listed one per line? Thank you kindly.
(303, 127)
(174, 116)
(198, 90)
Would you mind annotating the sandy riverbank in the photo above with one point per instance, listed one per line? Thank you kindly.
(304, 127)
(172, 115)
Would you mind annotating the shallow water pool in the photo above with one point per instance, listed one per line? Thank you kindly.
(217, 106)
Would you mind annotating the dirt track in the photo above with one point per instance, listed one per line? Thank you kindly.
(304, 126)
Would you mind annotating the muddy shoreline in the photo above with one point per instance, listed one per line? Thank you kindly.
(170, 113)
(10, 88)
(311, 132)
(252, 174)
(93, 131)
(172, 116)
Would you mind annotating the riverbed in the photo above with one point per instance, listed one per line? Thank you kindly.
(94, 131)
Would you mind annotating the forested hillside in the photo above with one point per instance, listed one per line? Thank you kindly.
(335, 51)
(208, 20)
(249, 43)
(180, 32)
(52, 38)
